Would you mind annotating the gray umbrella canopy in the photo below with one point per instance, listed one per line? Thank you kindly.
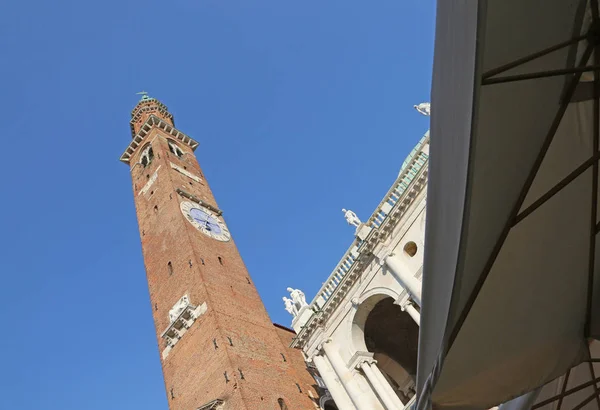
(512, 252)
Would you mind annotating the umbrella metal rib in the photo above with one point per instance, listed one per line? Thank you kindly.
(586, 401)
(564, 394)
(594, 205)
(539, 74)
(593, 234)
(593, 374)
(563, 389)
(532, 56)
(557, 188)
(574, 80)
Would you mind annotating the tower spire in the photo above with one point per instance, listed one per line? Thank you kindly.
(144, 95)
(146, 107)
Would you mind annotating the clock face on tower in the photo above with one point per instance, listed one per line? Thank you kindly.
(205, 221)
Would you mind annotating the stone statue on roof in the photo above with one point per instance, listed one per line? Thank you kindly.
(298, 298)
(424, 108)
(351, 218)
(290, 307)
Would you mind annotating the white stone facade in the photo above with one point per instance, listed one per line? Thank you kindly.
(361, 329)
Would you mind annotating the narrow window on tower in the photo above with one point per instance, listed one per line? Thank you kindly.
(170, 268)
(147, 155)
(220, 260)
(282, 404)
(175, 149)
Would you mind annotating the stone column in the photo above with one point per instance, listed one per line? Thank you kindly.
(398, 269)
(376, 383)
(337, 391)
(412, 311)
(345, 376)
(387, 387)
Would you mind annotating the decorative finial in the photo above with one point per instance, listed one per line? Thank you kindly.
(424, 108)
(144, 95)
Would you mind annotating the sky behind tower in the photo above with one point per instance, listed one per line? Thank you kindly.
(300, 108)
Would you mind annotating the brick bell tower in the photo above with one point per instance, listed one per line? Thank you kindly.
(218, 347)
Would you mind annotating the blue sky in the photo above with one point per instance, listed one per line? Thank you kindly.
(300, 108)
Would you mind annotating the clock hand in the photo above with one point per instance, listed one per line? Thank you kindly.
(205, 221)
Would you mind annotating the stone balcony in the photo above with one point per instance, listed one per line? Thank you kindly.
(182, 316)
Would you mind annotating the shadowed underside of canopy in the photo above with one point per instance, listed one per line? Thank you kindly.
(512, 261)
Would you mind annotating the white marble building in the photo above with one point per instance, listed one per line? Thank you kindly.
(361, 330)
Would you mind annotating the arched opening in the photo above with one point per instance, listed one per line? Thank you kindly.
(382, 328)
(174, 148)
(282, 405)
(410, 249)
(146, 156)
(329, 405)
(326, 403)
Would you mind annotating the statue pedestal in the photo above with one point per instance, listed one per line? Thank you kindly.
(301, 318)
(362, 232)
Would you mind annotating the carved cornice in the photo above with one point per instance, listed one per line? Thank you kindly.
(155, 122)
(359, 358)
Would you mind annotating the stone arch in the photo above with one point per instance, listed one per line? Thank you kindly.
(326, 402)
(174, 148)
(146, 155)
(380, 290)
(381, 327)
(364, 305)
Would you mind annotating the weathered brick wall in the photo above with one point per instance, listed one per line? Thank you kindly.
(194, 369)
(296, 359)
